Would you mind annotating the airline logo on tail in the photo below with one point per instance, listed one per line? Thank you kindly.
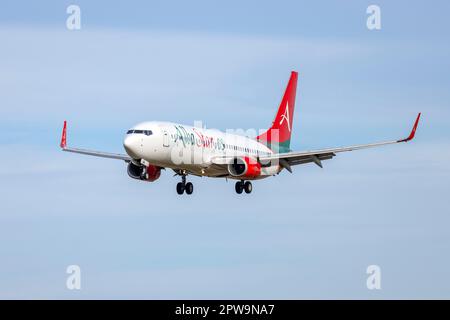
(285, 116)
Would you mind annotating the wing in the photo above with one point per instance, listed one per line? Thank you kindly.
(288, 159)
(94, 153)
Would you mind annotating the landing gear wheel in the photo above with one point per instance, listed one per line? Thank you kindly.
(239, 187)
(189, 187)
(248, 187)
(180, 187)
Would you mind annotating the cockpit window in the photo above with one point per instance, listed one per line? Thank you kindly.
(146, 132)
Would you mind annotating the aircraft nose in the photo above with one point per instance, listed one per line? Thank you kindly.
(131, 146)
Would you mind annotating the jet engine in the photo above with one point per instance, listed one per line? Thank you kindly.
(140, 172)
(244, 167)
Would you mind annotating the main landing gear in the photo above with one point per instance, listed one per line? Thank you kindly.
(243, 186)
(183, 186)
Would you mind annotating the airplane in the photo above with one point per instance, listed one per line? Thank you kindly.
(154, 146)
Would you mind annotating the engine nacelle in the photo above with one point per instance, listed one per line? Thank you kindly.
(150, 173)
(244, 167)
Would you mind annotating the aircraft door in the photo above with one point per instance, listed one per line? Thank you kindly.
(165, 139)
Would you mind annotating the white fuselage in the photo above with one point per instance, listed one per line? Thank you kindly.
(193, 149)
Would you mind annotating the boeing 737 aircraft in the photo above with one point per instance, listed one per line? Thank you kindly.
(153, 146)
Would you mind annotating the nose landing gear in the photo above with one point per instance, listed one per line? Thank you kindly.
(243, 186)
(183, 186)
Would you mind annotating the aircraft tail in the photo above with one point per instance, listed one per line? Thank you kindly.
(278, 136)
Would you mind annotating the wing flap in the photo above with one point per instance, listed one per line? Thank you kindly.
(308, 159)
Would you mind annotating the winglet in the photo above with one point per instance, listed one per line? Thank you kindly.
(413, 131)
(64, 136)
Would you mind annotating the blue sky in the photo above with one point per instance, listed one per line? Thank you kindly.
(311, 234)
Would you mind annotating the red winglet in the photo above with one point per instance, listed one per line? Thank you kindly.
(413, 131)
(63, 137)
